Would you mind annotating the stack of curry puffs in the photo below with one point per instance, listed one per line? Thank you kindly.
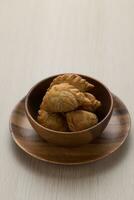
(67, 105)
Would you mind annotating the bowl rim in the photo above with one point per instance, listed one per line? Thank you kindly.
(62, 132)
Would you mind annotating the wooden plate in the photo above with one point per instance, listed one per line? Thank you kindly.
(112, 138)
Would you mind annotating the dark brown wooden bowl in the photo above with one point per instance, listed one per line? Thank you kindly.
(33, 101)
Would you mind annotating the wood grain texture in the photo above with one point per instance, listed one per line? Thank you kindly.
(111, 139)
(46, 37)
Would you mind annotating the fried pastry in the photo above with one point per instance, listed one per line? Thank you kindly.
(73, 79)
(63, 98)
(92, 105)
(79, 120)
(60, 98)
(53, 121)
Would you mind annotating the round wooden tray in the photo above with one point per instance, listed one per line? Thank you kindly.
(112, 138)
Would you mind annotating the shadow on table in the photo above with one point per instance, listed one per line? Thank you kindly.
(71, 172)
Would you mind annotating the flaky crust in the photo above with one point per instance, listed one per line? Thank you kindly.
(92, 104)
(63, 98)
(60, 98)
(73, 79)
(52, 120)
(79, 120)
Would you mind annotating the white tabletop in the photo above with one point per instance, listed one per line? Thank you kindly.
(46, 37)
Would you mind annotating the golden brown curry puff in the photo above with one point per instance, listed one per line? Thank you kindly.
(92, 105)
(73, 79)
(79, 120)
(63, 98)
(53, 121)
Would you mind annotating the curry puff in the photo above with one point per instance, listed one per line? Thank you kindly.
(63, 98)
(79, 120)
(75, 80)
(67, 104)
(91, 104)
(53, 121)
